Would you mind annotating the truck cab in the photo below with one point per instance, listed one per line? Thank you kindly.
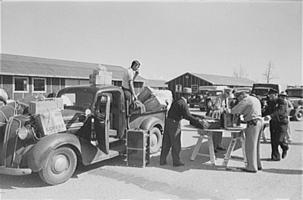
(96, 118)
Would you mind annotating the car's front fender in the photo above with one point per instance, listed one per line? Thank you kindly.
(37, 156)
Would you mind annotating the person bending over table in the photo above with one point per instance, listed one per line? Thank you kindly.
(172, 129)
(250, 107)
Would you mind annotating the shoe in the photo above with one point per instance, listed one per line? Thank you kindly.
(260, 168)
(178, 164)
(246, 170)
(219, 148)
(163, 163)
(284, 154)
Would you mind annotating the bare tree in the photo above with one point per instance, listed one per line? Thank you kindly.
(269, 73)
(240, 73)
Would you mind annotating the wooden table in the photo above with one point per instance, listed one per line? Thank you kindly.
(236, 134)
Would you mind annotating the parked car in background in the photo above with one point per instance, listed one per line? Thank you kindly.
(295, 95)
(209, 99)
(195, 100)
(260, 90)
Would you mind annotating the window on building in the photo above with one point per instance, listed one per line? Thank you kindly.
(39, 85)
(195, 88)
(178, 88)
(20, 84)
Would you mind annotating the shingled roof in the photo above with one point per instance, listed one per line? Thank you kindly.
(224, 80)
(156, 83)
(44, 67)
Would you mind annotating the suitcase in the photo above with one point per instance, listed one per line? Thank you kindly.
(145, 94)
(155, 104)
(137, 148)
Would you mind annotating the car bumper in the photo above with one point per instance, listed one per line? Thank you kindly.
(15, 171)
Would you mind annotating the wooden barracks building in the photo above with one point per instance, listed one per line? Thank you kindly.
(195, 80)
(22, 76)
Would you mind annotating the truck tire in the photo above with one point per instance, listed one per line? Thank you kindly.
(298, 116)
(59, 167)
(155, 140)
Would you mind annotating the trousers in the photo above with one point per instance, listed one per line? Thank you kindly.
(171, 140)
(278, 132)
(252, 145)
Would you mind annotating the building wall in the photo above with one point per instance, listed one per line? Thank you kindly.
(52, 85)
(186, 80)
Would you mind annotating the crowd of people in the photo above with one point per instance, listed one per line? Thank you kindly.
(249, 106)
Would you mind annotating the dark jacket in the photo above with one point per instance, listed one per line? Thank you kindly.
(277, 109)
(179, 110)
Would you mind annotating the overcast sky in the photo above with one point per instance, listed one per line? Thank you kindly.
(169, 38)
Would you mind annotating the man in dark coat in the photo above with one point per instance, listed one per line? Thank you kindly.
(172, 130)
(276, 112)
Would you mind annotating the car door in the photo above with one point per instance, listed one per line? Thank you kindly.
(101, 123)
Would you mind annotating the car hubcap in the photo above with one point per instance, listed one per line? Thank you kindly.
(153, 140)
(60, 164)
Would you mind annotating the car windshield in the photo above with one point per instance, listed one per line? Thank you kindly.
(78, 98)
(260, 91)
(295, 93)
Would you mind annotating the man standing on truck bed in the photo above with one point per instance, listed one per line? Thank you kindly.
(172, 130)
(129, 77)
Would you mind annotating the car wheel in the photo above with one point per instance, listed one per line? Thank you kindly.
(155, 140)
(298, 115)
(59, 167)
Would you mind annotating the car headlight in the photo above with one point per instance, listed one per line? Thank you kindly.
(25, 133)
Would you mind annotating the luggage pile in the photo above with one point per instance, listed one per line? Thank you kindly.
(48, 115)
(155, 100)
(100, 76)
(3, 96)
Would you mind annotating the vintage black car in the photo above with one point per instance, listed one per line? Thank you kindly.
(96, 119)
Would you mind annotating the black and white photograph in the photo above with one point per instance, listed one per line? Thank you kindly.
(151, 100)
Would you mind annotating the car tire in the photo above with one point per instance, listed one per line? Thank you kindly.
(59, 167)
(298, 116)
(155, 140)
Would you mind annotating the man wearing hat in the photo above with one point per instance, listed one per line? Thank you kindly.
(276, 112)
(172, 130)
(250, 107)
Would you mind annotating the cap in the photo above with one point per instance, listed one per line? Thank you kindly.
(283, 93)
(237, 94)
(272, 91)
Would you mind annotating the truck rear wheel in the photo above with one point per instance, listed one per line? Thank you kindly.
(59, 167)
(155, 140)
(298, 116)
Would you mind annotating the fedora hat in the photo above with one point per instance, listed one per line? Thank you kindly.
(187, 91)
